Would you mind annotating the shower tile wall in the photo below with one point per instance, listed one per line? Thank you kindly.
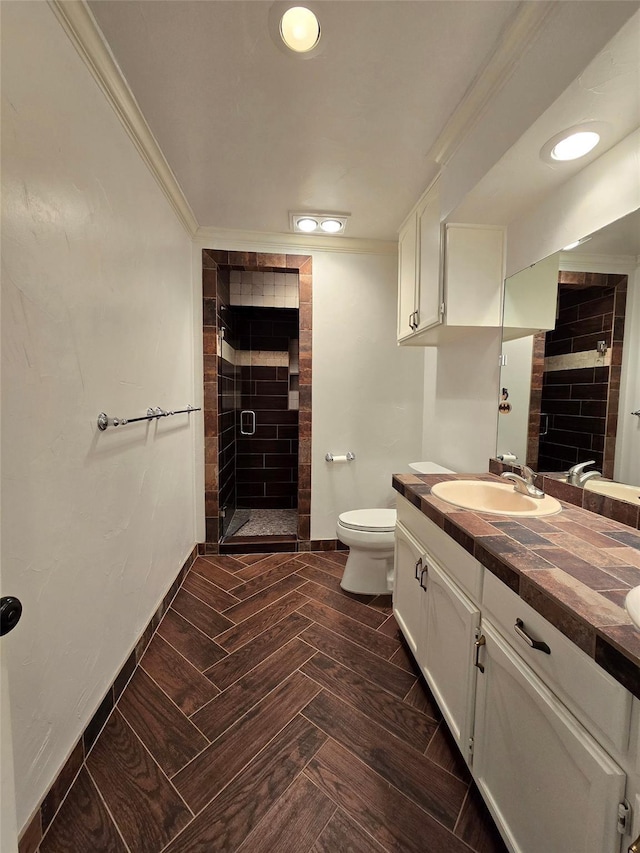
(266, 289)
(580, 391)
(267, 462)
(218, 266)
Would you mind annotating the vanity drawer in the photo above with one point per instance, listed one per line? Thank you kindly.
(459, 564)
(595, 698)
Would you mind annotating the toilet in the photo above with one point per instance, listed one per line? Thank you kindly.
(369, 533)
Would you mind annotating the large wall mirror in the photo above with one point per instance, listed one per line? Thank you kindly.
(570, 380)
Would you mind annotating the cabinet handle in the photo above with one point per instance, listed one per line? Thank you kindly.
(417, 320)
(535, 644)
(411, 326)
(418, 567)
(422, 574)
(481, 641)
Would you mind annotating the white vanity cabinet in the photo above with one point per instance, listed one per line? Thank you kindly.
(550, 738)
(548, 783)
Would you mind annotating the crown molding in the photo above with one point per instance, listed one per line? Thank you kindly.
(223, 238)
(591, 262)
(81, 27)
(517, 35)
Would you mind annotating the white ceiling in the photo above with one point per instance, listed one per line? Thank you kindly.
(252, 132)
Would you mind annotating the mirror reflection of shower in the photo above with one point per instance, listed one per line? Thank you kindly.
(258, 399)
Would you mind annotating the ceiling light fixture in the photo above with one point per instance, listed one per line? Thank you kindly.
(300, 29)
(576, 145)
(575, 244)
(306, 224)
(573, 143)
(327, 223)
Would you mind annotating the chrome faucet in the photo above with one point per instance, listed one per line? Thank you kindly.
(577, 476)
(522, 485)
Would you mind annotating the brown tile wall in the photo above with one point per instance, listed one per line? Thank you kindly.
(582, 403)
(215, 263)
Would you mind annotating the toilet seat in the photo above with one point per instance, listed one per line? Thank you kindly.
(369, 520)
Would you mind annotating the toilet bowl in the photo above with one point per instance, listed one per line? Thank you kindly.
(369, 533)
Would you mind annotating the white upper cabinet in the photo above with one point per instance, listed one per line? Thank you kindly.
(449, 279)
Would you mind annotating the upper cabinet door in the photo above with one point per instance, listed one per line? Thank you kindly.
(407, 247)
(473, 275)
(429, 284)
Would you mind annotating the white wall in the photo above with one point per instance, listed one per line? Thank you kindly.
(97, 315)
(627, 461)
(367, 393)
(461, 402)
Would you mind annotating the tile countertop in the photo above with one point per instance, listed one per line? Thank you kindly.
(575, 568)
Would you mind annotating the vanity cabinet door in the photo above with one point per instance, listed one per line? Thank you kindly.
(447, 658)
(548, 783)
(407, 593)
(407, 276)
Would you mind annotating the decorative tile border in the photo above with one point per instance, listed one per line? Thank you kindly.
(217, 267)
(35, 829)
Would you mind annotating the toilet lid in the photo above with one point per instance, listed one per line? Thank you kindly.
(375, 520)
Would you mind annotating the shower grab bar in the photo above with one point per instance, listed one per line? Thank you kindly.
(105, 421)
(252, 428)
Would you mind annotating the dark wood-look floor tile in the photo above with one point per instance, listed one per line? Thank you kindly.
(219, 570)
(229, 818)
(343, 835)
(393, 820)
(337, 557)
(360, 612)
(236, 700)
(421, 698)
(179, 679)
(261, 599)
(249, 559)
(360, 660)
(444, 752)
(58, 790)
(242, 633)
(266, 564)
(169, 736)
(32, 834)
(476, 827)
(319, 576)
(404, 659)
(422, 781)
(208, 592)
(391, 628)
(249, 656)
(356, 632)
(325, 564)
(397, 717)
(294, 823)
(264, 580)
(82, 823)
(209, 621)
(383, 603)
(199, 649)
(144, 804)
(207, 774)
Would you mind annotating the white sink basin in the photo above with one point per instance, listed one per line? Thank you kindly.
(497, 498)
(621, 491)
(632, 603)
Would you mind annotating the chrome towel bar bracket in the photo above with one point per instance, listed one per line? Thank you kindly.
(348, 457)
(105, 421)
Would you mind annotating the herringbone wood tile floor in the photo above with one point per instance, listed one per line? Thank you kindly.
(273, 712)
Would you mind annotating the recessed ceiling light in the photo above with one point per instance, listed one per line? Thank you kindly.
(575, 244)
(306, 224)
(300, 29)
(574, 142)
(576, 145)
(331, 226)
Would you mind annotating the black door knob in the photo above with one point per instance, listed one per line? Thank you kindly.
(10, 613)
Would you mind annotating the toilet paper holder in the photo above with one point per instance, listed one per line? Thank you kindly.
(348, 457)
